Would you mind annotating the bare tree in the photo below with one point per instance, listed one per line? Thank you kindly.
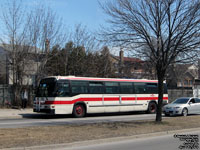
(28, 37)
(45, 30)
(105, 65)
(168, 28)
(81, 45)
(13, 40)
(81, 36)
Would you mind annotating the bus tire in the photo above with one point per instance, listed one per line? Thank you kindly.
(152, 108)
(79, 111)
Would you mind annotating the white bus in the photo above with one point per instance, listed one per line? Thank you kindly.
(82, 95)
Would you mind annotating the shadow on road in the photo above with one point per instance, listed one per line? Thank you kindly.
(49, 116)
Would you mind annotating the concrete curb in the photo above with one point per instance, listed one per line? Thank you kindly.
(107, 140)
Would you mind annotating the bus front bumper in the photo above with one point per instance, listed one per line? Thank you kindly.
(49, 111)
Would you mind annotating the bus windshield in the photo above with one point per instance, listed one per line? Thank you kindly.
(51, 88)
(46, 88)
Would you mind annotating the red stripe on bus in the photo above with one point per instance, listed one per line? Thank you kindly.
(99, 79)
(101, 99)
(111, 98)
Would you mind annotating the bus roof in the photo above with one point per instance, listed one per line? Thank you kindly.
(101, 79)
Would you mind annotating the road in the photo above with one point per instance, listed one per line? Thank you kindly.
(46, 120)
(163, 142)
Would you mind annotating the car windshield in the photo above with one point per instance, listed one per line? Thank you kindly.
(181, 101)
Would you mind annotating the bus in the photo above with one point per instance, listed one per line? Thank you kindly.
(83, 95)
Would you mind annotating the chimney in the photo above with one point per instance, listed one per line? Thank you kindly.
(121, 62)
(121, 56)
(199, 69)
(47, 46)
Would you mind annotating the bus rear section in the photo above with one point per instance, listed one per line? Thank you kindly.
(82, 95)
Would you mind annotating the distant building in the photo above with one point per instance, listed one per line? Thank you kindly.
(182, 75)
(28, 63)
(130, 67)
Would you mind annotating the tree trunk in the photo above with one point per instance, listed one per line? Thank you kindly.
(160, 97)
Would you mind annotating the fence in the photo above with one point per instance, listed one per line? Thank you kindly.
(6, 95)
(176, 93)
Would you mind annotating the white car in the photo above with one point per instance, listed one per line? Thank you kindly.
(183, 106)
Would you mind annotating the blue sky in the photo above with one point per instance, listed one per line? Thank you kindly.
(73, 12)
(86, 12)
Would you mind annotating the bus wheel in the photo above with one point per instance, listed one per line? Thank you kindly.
(152, 108)
(79, 110)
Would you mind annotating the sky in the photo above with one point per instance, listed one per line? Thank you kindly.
(86, 12)
(73, 12)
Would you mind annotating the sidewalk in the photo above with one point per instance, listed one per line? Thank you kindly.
(15, 113)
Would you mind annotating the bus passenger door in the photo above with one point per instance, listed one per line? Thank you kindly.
(111, 102)
(127, 100)
(111, 98)
(96, 96)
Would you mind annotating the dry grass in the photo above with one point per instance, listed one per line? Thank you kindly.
(31, 136)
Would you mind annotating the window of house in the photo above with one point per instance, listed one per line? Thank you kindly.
(185, 82)
(191, 82)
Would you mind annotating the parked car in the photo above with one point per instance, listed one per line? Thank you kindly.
(182, 106)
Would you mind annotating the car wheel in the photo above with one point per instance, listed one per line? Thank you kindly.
(167, 115)
(152, 108)
(185, 112)
(79, 110)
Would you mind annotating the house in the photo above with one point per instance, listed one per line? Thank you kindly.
(20, 66)
(3, 66)
(131, 67)
(182, 75)
(187, 79)
(178, 75)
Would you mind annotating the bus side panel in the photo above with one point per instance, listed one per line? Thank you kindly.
(63, 105)
(142, 101)
(94, 102)
(165, 99)
(63, 109)
(111, 102)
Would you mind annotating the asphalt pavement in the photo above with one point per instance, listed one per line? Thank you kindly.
(27, 118)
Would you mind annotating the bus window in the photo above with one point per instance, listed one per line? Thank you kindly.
(152, 88)
(126, 88)
(62, 88)
(79, 87)
(96, 87)
(112, 87)
(140, 88)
